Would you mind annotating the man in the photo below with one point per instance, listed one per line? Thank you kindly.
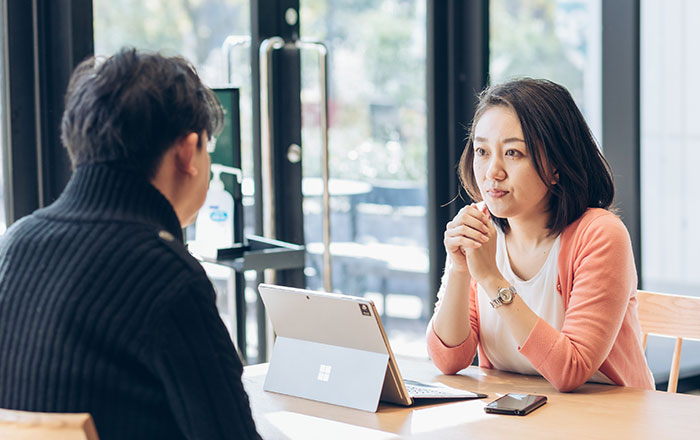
(102, 309)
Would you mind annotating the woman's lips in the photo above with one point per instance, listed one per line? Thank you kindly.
(496, 193)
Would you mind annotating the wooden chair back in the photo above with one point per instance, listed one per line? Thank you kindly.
(25, 425)
(673, 316)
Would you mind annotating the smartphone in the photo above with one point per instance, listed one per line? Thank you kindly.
(516, 404)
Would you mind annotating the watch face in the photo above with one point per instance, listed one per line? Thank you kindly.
(506, 295)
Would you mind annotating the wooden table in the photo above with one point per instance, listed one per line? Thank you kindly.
(592, 412)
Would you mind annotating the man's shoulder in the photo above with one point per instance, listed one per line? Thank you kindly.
(20, 224)
(113, 243)
(171, 270)
(20, 230)
(175, 249)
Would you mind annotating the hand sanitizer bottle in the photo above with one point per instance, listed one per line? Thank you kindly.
(214, 226)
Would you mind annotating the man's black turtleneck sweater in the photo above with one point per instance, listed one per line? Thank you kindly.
(102, 310)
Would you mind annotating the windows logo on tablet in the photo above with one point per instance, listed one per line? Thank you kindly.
(324, 373)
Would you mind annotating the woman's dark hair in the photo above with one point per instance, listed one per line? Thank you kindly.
(131, 107)
(560, 144)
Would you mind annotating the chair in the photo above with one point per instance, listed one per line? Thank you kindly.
(25, 425)
(672, 316)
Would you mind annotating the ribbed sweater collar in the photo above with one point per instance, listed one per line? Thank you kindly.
(106, 192)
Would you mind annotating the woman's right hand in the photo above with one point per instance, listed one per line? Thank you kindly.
(467, 230)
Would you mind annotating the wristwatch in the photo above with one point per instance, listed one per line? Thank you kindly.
(505, 296)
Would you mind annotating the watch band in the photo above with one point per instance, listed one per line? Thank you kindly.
(504, 296)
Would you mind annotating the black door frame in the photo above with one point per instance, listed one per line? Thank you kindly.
(621, 112)
(44, 41)
(458, 64)
(276, 19)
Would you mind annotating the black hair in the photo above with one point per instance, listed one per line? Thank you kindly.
(128, 109)
(560, 143)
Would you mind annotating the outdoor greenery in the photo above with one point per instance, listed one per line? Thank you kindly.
(193, 28)
(377, 58)
(376, 91)
(541, 39)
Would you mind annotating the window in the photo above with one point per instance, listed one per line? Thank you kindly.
(670, 145)
(669, 152)
(212, 34)
(378, 158)
(554, 39)
(377, 133)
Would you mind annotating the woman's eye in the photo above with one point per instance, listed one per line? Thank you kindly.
(513, 153)
(479, 151)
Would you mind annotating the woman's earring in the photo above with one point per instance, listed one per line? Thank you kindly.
(556, 178)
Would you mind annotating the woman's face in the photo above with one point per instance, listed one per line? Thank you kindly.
(504, 171)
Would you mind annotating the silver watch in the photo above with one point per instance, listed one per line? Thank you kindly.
(505, 296)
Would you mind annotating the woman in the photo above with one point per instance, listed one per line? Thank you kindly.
(540, 275)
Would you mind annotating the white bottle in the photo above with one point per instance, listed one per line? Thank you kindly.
(214, 227)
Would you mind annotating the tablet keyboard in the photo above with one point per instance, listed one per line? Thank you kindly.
(423, 390)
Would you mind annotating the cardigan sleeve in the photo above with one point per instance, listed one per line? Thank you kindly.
(199, 367)
(450, 360)
(603, 277)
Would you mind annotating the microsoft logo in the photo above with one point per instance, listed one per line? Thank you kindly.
(324, 373)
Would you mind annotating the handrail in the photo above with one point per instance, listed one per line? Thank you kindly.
(322, 51)
(268, 192)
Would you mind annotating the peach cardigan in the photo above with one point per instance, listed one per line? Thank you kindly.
(601, 331)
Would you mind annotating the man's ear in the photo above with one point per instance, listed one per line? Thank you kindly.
(185, 152)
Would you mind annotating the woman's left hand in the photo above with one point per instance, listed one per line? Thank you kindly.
(482, 260)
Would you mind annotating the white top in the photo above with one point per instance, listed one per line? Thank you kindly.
(539, 293)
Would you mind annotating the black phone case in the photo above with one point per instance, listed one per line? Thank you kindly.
(517, 412)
